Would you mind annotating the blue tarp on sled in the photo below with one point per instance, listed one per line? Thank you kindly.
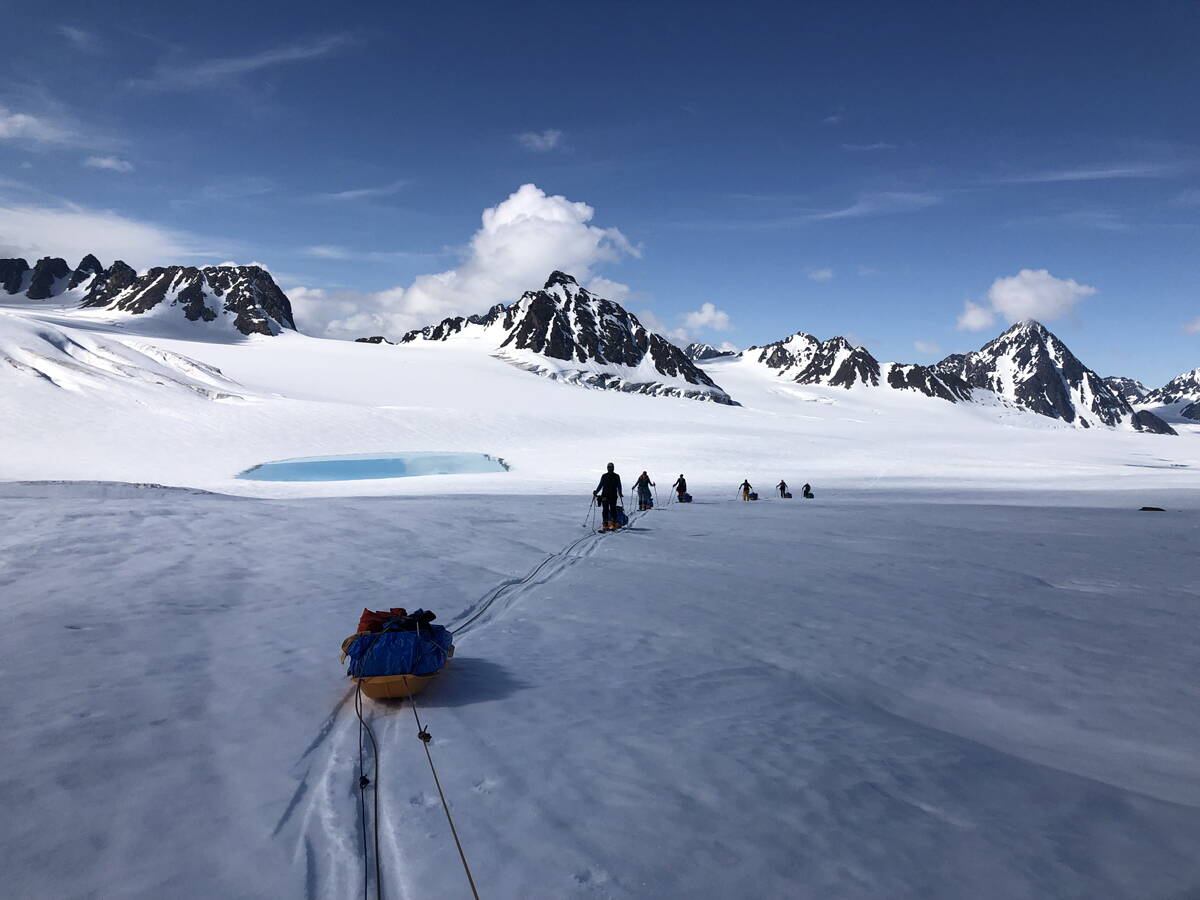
(399, 652)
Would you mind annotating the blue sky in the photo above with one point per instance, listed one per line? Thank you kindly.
(860, 168)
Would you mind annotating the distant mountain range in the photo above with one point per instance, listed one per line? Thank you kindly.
(565, 332)
(245, 298)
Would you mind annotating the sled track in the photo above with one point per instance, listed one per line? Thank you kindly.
(326, 799)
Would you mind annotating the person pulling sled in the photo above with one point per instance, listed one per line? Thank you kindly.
(746, 489)
(643, 485)
(609, 492)
(681, 491)
(783, 491)
(807, 493)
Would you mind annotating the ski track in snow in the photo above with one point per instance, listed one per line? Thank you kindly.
(332, 755)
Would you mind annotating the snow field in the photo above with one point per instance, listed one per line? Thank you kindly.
(873, 694)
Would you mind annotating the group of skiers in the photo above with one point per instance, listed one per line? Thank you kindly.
(609, 494)
(748, 493)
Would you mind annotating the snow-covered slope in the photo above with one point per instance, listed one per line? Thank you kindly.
(1178, 397)
(104, 370)
(1029, 367)
(567, 333)
(244, 299)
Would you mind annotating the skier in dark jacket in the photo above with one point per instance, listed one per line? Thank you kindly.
(680, 485)
(609, 491)
(782, 486)
(643, 485)
(746, 489)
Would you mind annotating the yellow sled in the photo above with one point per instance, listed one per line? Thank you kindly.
(393, 687)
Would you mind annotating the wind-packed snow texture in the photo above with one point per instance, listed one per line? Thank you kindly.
(865, 695)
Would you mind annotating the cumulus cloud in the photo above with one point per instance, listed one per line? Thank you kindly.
(821, 274)
(610, 290)
(975, 317)
(927, 347)
(658, 326)
(540, 141)
(520, 241)
(70, 231)
(707, 317)
(1030, 294)
(112, 163)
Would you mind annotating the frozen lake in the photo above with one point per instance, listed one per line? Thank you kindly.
(374, 465)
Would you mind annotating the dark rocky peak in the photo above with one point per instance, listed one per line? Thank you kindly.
(109, 283)
(929, 381)
(373, 339)
(1029, 367)
(246, 296)
(804, 359)
(48, 275)
(1130, 388)
(583, 338)
(88, 267)
(12, 275)
(557, 277)
(699, 352)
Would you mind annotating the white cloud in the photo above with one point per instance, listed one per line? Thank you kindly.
(868, 148)
(70, 231)
(112, 163)
(1030, 294)
(177, 74)
(975, 317)
(836, 118)
(927, 347)
(83, 40)
(821, 274)
(18, 126)
(1036, 294)
(707, 316)
(521, 240)
(883, 203)
(727, 347)
(381, 190)
(540, 141)
(1100, 173)
(1192, 327)
(657, 325)
(610, 290)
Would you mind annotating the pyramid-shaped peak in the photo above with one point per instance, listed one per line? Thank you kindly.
(1029, 326)
(89, 264)
(557, 277)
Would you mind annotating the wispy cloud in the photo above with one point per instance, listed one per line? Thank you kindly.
(337, 252)
(1192, 327)
(19, 126)
(883, 203)
(540, 141)
(1099, 173)
(70, 231)
(868, 148)
(112, 163)
(929, 348)
(1091, 219)
(835, 118)
(178, 75)
(821, 274)
(380, 190)
(82, 40)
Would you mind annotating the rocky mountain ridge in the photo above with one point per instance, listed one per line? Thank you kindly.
(245, 297)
